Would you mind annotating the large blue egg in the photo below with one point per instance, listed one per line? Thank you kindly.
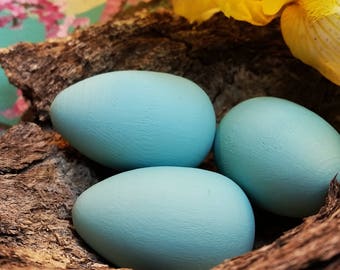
(282, 154)
(131, 119)
(167, 218)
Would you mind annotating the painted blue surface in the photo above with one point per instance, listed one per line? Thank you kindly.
(165, 218)
(132, 119)
(283, 155)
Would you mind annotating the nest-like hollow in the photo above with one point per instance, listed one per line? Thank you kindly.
(41, 175)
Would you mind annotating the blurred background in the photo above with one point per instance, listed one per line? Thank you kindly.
(37, 20)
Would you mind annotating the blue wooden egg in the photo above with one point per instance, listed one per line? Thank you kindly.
(282, 154)
(169, 218)
(131, 119)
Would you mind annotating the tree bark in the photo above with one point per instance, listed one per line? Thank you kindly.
(41, 175)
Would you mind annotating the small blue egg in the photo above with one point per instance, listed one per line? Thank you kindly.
(132, 119)
(167, 218)
(282, 154)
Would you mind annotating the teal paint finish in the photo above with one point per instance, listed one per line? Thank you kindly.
(93, 14)
(7, 98)
(283, 155)
(7, 92)
(165, 218)
(132, 119)
(31, 31)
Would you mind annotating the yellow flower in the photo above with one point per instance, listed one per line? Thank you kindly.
(243, 10)
(310, 28)
(193, 12)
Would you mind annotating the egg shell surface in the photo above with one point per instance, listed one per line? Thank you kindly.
(131, 119)
(165, 218)
(282, 154)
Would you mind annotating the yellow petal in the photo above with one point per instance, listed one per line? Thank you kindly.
(195, 11)
(317, 9)
(243, 10)
(315, 42)
(246, 10)
(271, 7)
(80, 6)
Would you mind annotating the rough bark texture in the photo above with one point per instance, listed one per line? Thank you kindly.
(231, 60)
(41, 175)
(40, 178)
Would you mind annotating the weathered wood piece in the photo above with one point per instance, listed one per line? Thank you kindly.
(231, 60)
(40, 178)
(41, 175)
